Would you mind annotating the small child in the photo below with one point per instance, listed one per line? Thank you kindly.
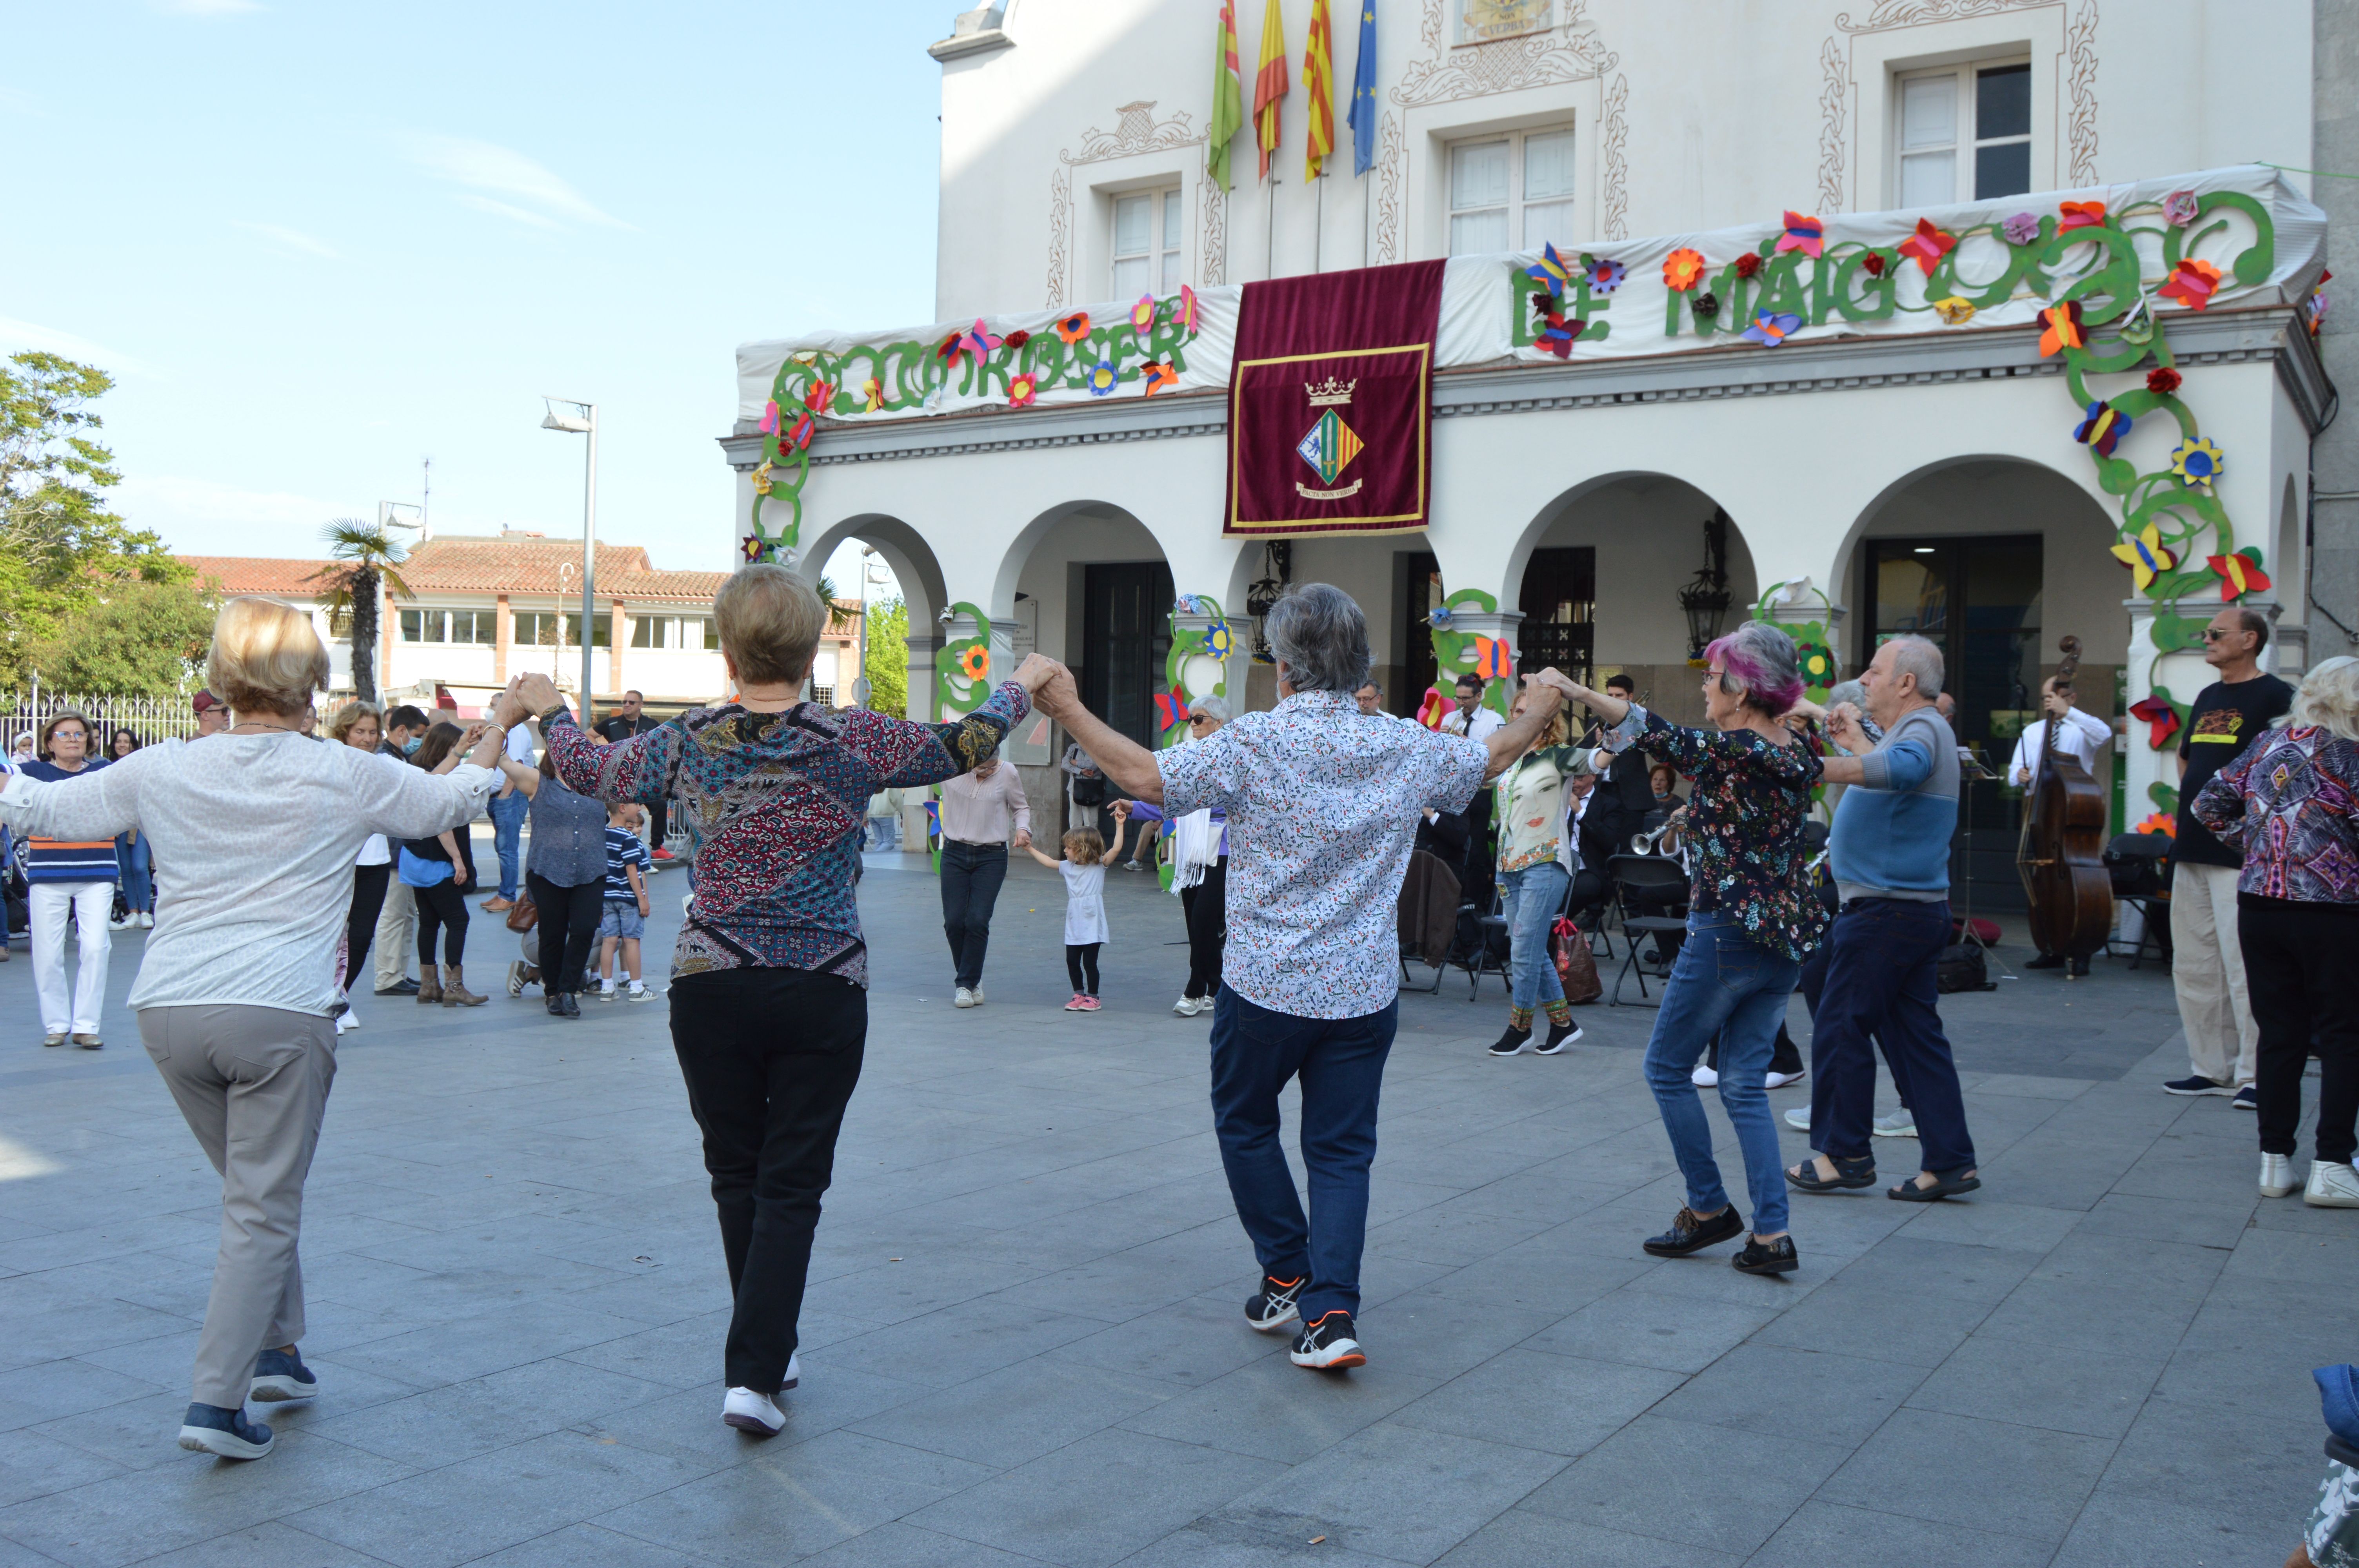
(625, 918)
(1084, 869)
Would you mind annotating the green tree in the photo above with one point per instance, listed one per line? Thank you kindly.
(838, 614)
(60, 548)
(136, 639)
(367, 557)
(889, 657)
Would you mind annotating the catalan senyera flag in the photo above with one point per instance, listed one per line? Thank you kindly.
(1319, 82)
(1269, 81)
(1228, 96)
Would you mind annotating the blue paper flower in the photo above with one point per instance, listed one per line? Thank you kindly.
(1103, 378)
(1770, 326)
(1605, 276)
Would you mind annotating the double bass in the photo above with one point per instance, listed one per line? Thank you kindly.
(2060, 855)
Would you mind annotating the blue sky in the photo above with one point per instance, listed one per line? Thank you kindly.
(319, 241)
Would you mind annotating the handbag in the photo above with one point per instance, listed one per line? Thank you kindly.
(523, 915)
(1576, 966)
(1090, 791)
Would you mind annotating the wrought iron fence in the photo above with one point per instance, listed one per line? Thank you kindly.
(149, 717)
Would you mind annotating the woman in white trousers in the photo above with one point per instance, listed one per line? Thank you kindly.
(71, 884)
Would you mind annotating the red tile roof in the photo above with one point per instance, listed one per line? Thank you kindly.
(509, 564)
(272, 576)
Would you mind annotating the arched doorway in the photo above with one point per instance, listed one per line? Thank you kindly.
(919, 579)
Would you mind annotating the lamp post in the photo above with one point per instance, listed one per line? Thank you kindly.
(582, 423)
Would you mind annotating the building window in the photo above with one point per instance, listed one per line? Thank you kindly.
(601, 630)
(654, 632)
(535, 629)
(1148, 228)
(712, 633)
(1512, 192)
(448, 626)
(1964, 134)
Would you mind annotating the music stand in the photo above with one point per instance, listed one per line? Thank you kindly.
(1972, 771)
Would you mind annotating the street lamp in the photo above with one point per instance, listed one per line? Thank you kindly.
(582, 422)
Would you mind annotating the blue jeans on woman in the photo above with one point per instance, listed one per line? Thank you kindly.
(1532, 898)
(1727, 985)
(132, 860)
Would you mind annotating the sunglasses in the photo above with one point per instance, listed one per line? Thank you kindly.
(2213, 634)
(1200, 719)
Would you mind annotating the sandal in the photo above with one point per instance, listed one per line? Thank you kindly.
(1946, 1184)
(1849, 1173)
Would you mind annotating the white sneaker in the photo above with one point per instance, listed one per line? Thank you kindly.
(1779, 1080)
(1187, 1007)
(1799, 1120)
(2277, 1175)
(2332, 1186)
(1901, 1123)
(347, 1020)
(964, 998)
(147, 920)
(1704, 1077)
(749, 1411)
(977, 994)
(127, 923)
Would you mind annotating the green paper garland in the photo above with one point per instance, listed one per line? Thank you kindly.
(954, 691)
(1454, 651)
(1187, 644)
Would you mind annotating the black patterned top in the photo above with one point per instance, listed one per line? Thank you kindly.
(1743, 829)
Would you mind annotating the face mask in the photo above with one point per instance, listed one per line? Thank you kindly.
(410, 747)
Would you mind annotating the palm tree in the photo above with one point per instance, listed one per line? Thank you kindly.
(368, 555)
(838, 617)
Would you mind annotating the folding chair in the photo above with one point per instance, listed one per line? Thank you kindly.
(1632, 873)
(1485, 925)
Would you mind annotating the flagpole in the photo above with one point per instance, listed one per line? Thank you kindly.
(1269, 232)
(1319, 234)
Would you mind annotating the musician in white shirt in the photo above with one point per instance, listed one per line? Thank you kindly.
(1470, 718)
(2079, 735)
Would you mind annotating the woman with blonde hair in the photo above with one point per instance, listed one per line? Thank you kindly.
(2291, 806)
(1536, 862)
(256, 831)
(71, 880)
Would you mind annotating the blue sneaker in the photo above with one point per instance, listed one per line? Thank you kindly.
(280, 1375)
(210, 1429)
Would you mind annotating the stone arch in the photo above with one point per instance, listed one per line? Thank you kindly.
(922, 586)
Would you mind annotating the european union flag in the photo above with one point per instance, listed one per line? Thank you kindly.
(1363, 117)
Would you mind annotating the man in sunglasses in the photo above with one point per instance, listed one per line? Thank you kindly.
(2207, 967)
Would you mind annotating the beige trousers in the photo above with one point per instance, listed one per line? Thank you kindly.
(252, 1084)
(2207, 970)
(396, 931)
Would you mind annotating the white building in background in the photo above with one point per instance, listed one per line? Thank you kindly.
(1918, 470)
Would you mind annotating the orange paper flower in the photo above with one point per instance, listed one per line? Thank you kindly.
(975, 663)
(1161, 377)
(2191, 283)
(1681, 268)
(2080, 215)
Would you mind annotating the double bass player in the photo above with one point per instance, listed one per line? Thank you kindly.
(2078, 735)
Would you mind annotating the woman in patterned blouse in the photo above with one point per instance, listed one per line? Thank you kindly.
(1751, 919)
(769, 1013)
(1537, 861)
(2290, 805)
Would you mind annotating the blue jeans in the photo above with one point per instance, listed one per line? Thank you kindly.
(1532, 899)
(507, 826)
(1881, 958)
(1724, 984)
(1341, 1061)
(131, 861)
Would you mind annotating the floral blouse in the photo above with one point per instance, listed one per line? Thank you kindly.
(1744, 827)
(2290, 803)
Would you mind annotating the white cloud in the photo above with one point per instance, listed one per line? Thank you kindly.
(290, 239)
(514, 215)
(504, 171)
(16, 335)
(207, 7)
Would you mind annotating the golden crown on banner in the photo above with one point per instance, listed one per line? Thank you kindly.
(1330, 392)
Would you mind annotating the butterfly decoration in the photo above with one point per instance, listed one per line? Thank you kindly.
(976, 343)
(2161, 721)
(1171, 707)
(1142, 315)
(1161, 376)
(2191, 283)
(1954, 311)
(2197, 461)
(770, 418)
(2103, 429)
(1189, 316)
(2240, 574)
(1550, 272)
(1494, 660)
(1682, 268)
(2063, 327)
(872, 393)
(1103, 378)
(818, 397)
(1075, 326)
(2146, 556)
(1022, 388)
(1928, 244)
(1770, 328)
(2073, 215)
(1803, 233)
(799, 435)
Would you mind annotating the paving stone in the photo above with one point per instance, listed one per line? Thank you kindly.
(1520, 1538)
(1557, 1404)
(1392, 1491)
(2030, 1384)
(1823, 1533)
(1776, 1389)
(1703, 1486)
(1957, 1470)
(1054, 1507)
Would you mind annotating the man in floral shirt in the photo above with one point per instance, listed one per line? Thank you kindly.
(1322, 804)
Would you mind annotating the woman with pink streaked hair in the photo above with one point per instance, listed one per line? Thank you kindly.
(1752, 918)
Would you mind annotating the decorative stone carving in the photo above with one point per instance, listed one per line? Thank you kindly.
(1616, 180)
(1135, 130)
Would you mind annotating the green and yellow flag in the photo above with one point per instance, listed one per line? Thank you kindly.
(1269, 82)
(1228, 96)
(1319, 82)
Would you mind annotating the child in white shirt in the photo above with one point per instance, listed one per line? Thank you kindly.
(1084, 869)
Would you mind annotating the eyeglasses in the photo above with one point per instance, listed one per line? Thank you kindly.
(2213, 634)
(1200, 719)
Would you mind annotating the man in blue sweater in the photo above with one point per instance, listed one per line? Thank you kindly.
(1889, 855)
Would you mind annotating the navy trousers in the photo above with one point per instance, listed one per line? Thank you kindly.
(1879, 989)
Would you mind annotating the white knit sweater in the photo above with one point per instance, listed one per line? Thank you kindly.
(253, 838)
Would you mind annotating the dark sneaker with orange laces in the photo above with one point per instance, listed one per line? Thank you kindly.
(1328, 1345)
(1272, 1307)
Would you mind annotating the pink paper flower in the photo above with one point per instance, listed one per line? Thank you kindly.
(2178, 209)
(2020, 229)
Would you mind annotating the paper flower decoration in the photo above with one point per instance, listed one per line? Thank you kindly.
(1555, 332)
(805, 357)
(2161, 822)
(2144, 554)
(1749, 264)
(770, 418)
(1815, 664)
(1103, 378)
(1161, 377)
(2063, 327)
(1022, 388)
(753, 548)
(2020, 229)
(2161, 721)
(1770, 328)
(2314, 308)
(872, 395)
(1928, 244)
(1681, 268)
(2178, 209)
(1605, 276)
(799, 435)
(1017, 339)
(948, 349)
(1142, 315)
(1171, 708)
(2191, 283)
(2198, 462)
(2162, 381)
(762, 471)
(2240, 574)
(1550, 272)
(2073, 215)
(1219, 641)
(1189, 316)
(1075, 326)
(1954, 310)
(1494, 660)
(975, 663)
(1872, 264)
(1806, 235)
(820, 395)
(1705, 305)
(1430, 710)
(2103, 429)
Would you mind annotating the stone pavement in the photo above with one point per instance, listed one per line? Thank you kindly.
(1023, 1341)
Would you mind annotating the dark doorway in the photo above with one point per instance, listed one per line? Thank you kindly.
(1559, 605)
(1126, 639)
(1417, 589)
(1977, 600)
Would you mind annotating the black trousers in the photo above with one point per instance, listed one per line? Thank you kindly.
(1205, 908)
(569, 915)
(972, 875)
(443, 907)
(1082, 965)
(2300, 972)
(771, 1058)
(657, 826)
(360, 925)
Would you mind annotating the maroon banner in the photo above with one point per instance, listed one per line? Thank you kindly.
(1331, 399)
